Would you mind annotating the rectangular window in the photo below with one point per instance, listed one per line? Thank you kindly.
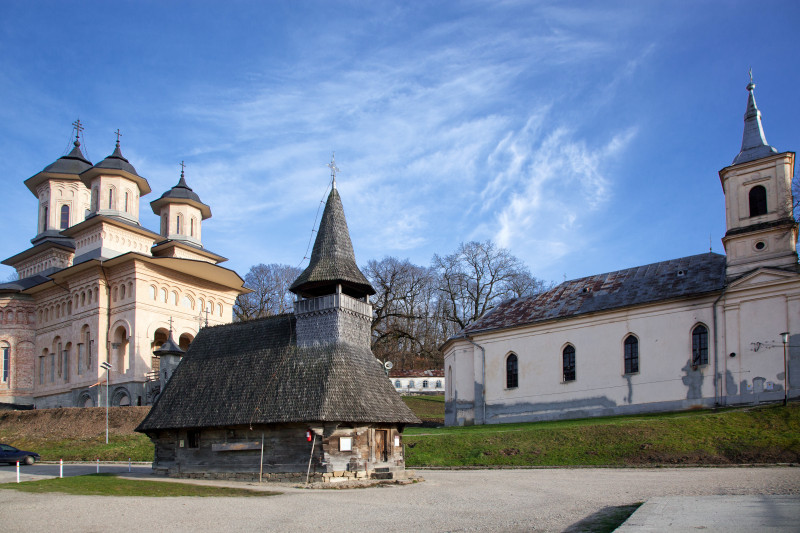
(345, 444)
(52, 368)
(89, 353)
(6, 363)
(193, 439)
(80, 358)
(41, 370)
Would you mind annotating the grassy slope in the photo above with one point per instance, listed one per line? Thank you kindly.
(755, 435)
(762, 435)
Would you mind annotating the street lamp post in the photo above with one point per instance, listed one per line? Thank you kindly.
(785, 339)
(108, 367)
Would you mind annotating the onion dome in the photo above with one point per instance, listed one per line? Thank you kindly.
(754, 143)
(333, 261)
(116, 165)
(66, 167)
(181, 194)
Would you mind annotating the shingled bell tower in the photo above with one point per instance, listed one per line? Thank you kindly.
(761, 231)
(332, 293)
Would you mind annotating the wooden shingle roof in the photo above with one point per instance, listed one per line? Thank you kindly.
(254, 373)
(332, 258)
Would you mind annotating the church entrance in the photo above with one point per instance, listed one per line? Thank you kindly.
(381, 440)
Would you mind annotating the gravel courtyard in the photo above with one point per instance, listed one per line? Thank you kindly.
(476, 500)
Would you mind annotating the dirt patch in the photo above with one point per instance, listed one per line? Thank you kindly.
(70, 422)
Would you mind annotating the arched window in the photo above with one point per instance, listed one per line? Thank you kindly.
(512, 372)
(5, 361)
(568, 358)
(64, 216)
(438, 383)
(44, 218)
(411, 384)
(397, 384)
(127, 207)
(111, 198)
(424, 383)
(191, 227)
(758, 201)
(178, 224)
(699, 345)
(631, 354)
(152, 292)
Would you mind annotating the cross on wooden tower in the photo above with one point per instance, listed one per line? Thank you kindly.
(334, 169)
(78, 129)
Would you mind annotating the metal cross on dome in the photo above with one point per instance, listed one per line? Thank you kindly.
(118, 134)
(334, 168)
(78, 129)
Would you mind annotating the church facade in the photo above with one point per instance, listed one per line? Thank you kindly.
(699, 331)
(97, 287)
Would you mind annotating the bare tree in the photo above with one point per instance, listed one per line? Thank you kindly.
(477, 276)
(270, 296)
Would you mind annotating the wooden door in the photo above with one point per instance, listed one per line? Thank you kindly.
(381, 441)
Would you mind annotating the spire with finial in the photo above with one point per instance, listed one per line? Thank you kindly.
(334, 169)
(754, 143)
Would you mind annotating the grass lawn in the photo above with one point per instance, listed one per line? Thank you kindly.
(135, 446)
(769, 434)
(111, 485)
(427, 408)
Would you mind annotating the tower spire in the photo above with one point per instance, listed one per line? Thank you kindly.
(754, 143)
(334, 169)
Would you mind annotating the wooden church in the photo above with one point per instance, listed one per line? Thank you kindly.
(293, 397)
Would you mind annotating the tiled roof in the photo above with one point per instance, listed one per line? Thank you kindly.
(416, 373)
(254, 373)
(332, 259)
(676, 278)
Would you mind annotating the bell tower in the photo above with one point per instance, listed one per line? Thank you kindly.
(761, 231)
(332, 293)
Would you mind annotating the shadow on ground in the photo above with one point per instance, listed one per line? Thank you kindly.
(605, 520)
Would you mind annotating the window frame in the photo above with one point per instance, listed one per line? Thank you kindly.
(757, 201)
(699, 351)
(5, 362)
(631, 359)
(512, 371)
(569, 364)
(64, 222)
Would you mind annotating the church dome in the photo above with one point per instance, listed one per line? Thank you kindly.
(117, 161)
(181, 194)
(65, 167)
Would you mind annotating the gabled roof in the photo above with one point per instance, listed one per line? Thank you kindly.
(677, 278)
(254, 373)
(332, 259)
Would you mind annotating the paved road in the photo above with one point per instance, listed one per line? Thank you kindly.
(8, 474)
(483, 500)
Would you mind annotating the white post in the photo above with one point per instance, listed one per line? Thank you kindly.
(108, 377)
(17, 471)
(98, 465)
(61, 468)
(129, 464)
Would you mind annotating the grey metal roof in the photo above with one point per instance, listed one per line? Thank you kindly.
(24, 283)
(332, 259)
(676, 278)
(72, 163)
(170, 347)
(116, 161)
(754, 143)
(181, 193)
(254, 373)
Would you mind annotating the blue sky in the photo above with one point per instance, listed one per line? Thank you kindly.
(583, 136)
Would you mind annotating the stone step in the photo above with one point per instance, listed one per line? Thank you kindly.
(382, 475)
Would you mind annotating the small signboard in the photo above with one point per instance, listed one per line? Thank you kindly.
(235, 446)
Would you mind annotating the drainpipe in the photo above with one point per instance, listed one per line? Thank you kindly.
(714, 319)
(483, 374)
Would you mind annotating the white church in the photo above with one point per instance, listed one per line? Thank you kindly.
(98, 293)
(700, 331)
